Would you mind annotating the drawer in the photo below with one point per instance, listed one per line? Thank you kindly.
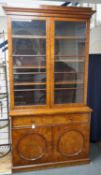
(49, 120)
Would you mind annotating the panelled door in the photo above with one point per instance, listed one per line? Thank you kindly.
(31, 146)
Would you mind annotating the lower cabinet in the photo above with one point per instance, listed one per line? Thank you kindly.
(51, 143)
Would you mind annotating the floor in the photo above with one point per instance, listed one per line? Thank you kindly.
(94, 168)
(5, 165)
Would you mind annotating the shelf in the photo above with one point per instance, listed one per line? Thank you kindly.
(69, 72)
(3, 96)
(34, 73)
(69, 37)
(29, 36)
(4, 119)
(3, 93)
(21, 90)
(28, 73)
(74, 61)
(2, 73)
(2, 65)
(2, 132)
(6, 107)
(44, 37)
(70, 56)
(29, 67)
(28, 55)
(68, 82)
(69, 88)
(30, 83)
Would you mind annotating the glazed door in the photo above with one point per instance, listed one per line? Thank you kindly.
(69, 55)
(29, 62)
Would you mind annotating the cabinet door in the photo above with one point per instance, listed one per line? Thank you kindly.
(69, 61)
(71, 142)
(31, 146)
(29, 60)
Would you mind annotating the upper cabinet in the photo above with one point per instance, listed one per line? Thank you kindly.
(48, 55)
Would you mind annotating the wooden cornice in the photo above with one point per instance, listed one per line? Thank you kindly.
(43, 10)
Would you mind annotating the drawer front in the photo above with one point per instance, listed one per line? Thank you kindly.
(49, 120)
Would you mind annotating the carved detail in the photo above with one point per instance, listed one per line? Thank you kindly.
(70, 143)
(32, 146)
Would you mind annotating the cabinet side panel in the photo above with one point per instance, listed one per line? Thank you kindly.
(10, 63)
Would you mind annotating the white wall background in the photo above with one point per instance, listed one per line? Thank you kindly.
(95, 40)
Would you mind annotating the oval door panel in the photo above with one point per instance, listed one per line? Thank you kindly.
(32, 146)
(70, 143)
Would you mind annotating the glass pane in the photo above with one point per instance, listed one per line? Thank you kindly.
(25, 27)
(69, 47)
(29, 47)
(29, 62)
(30, 94)
(64, 28)
(69, 62)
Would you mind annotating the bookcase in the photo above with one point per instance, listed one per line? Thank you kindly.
(48, 58)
